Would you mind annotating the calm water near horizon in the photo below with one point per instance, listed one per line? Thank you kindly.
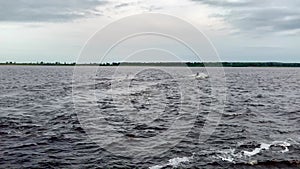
(41, 127)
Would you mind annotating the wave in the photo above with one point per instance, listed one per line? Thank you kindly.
(272, 163)
(174, 162)
(235, 156)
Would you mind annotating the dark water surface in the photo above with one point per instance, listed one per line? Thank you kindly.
(40, 127)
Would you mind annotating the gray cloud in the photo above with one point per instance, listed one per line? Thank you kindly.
(226, 3)
(47, 10)
(122, 5)
(265, 16)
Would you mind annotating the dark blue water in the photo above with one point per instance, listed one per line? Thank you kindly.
(148, 118)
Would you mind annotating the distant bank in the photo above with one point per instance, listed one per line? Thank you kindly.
(170, 64)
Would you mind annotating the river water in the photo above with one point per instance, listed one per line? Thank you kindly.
(148, 117)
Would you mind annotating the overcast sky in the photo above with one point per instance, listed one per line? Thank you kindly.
(241, 30)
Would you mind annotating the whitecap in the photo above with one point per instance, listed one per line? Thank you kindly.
(229, 155)
(174, 162)
(232, 156)
(263, 146)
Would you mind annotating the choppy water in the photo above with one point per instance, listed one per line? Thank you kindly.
(48, 121)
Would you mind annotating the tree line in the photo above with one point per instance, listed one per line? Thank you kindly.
(189, 64)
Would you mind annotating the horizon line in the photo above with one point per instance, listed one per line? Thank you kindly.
(166, 64)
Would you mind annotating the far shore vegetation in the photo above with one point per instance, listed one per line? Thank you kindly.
(164, 64)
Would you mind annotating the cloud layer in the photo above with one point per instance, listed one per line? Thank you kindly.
(47, 11)
(264, 16)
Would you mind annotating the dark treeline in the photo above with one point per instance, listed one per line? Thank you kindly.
(216, 64)
(189, 64)
(40, 63)
(243, 64)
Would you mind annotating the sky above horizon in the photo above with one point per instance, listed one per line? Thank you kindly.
(241, 30)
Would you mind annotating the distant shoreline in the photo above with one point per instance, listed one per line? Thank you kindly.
(164, 64)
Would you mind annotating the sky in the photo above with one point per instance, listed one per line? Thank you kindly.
(240, 30)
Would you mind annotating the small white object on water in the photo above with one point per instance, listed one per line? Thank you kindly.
(201, 76)
(253, 162)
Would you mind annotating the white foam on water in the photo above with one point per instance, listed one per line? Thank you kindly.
(284, 144)
(263, 146)
(174, 162)
(229, 155)
(232, 156)
(156, 167)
